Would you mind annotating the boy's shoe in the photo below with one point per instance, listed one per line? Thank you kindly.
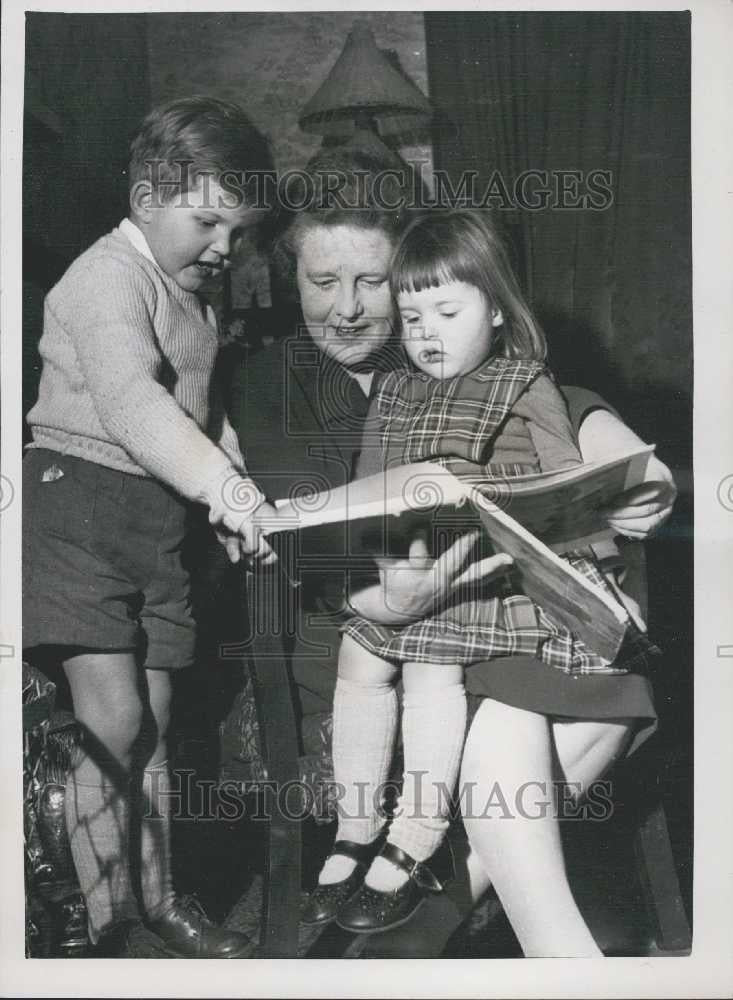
(130, 939)
(371, 911)
(324, 902)
(186, 932)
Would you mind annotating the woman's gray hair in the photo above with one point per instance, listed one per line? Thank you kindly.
(341, 187)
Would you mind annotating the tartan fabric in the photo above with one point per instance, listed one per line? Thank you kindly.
(452, 421)
(455, 422)
(498, 622)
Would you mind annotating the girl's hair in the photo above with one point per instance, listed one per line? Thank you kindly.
(178, 142)
(462, 245)
(340, 187)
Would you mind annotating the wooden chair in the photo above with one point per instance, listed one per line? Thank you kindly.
(652, 846)
(280, 747)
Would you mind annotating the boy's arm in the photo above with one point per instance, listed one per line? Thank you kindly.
(229, 444)
(113, 336)
(228, 439)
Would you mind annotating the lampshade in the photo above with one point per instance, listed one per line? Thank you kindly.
(362, 83)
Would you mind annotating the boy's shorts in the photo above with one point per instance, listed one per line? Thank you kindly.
(102, 561)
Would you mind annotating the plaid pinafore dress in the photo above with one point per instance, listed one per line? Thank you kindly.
(456, 422)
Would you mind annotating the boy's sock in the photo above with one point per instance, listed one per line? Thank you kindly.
(433, 733)
(97, 821)
(364, 728)
(156, 876)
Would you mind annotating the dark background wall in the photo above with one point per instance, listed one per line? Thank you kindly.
(587, 92)
(86, 88)
(539, 91)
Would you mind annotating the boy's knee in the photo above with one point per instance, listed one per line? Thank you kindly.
(116, 726)
(128, 724)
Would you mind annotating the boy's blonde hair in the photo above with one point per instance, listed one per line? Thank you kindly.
(177, 143)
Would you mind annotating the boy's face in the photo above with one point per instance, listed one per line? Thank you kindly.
(193, 236)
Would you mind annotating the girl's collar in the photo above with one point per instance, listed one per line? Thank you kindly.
(487, 369)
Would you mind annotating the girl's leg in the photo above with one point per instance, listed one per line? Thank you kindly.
(585, 750)
(107, 704)
(364, 727)
(508, 758)
(154, 798)
(433, 732)
(429, 929)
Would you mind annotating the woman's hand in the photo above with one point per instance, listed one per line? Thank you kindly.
(412, 588)
(643, 509)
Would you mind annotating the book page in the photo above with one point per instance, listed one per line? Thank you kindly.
(568, 506)
(553, 583)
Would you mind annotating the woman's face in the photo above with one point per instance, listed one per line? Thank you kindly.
(343, 279)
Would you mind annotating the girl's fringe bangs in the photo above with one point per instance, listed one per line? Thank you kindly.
(419, 268)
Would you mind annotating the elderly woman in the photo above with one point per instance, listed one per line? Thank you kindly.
(300, 407)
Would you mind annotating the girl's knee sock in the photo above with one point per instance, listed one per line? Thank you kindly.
(433, 732)
(97, 821)
(364, 728)
(154, 814)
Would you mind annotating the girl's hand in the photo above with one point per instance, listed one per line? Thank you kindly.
(643, 509)
(412, 588)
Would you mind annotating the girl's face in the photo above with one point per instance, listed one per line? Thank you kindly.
(343, 280)
(447, 330)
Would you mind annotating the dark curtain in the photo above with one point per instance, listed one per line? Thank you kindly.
(86, 88)
(581, 93)
(612, 285)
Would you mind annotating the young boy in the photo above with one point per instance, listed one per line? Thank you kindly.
(127, 431)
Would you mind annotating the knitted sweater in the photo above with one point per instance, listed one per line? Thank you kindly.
(128, 358)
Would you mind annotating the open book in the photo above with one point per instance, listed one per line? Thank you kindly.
(522, 517)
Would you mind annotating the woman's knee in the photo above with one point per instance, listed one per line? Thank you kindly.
(495, 730)
(587, 749)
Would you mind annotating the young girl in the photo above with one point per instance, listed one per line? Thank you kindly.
(476, 397)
